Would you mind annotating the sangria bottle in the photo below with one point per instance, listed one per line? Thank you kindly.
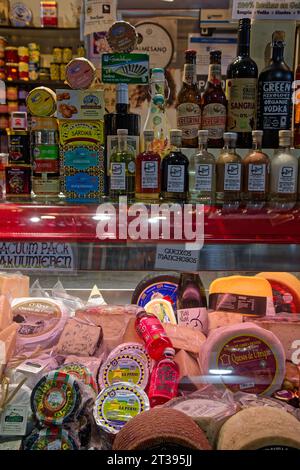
(150, 329)
(164, 379)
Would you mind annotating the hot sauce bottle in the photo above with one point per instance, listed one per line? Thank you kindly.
(147, 183)
(150, 329)
(164, 379)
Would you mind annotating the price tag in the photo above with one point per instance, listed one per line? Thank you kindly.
(14, 420)
(171, 257)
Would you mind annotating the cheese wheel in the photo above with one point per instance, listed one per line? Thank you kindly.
(244, 358)
(166, 427)
(286, 291)
(260, 428)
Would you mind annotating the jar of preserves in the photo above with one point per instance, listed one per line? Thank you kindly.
(57, 54)
(44, 74)
(54, 71)
(23, 53)
(12, 93)
(11, 55)
(62, 72)
(12, 71)
(67, 54)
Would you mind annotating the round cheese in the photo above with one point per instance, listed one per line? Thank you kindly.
(163, 286)
(51, 439)
(81, 373)
(137, 348)
(286, 291)
(258, 428)
(125, 367)
(244, 358)
(161, 427)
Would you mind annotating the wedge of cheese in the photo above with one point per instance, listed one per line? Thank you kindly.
(286, 291)
(5, 312)
(8, 339)
(14, 285)
(219, 319)
(183, 337)
(247, 295)
(286, 330)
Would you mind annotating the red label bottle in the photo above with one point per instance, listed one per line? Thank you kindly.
(152, 332)
(164, 379)
(147, 183)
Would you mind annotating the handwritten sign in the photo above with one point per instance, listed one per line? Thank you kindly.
(38, 256)
(266, 10)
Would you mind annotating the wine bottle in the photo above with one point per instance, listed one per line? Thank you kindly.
(192, 303)
(241, 89)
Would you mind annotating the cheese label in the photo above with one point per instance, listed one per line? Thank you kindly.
(194, 318)
(244, 304)
(250, 361)
(124, 368)
(36, 317)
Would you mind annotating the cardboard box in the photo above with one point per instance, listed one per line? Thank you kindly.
(80, 104)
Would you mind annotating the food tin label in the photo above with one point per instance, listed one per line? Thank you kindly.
(36, 317)
(125, 368)
(80, 73)
(46, 152)
(80, 132)
(80, 104)
(46, 166)
(82, 158)
(43, 123)
(82, 184)
(18, 181)
(46, 185)
(19, 148)
(117, 404)
(41, 101)
(252, 363)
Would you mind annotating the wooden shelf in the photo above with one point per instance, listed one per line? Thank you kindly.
(35, 28)
(36, 83)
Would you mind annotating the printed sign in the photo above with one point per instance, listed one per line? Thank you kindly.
(176, 258)
(99, 15)
(283, 10)
(38, 256)
(156, 41)
(14, 420)
(226, 43)
(125, 68)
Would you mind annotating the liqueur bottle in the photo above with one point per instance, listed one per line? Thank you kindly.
(229, 171)
(148, 163)
(214, 103)
(121, 119)
(256, 171)
(189, 103)
(152, 332)
(122, 169)
(284, 171)
(241, 89)
(275, 95)
(192, 303)
(164, 379)
(175, 176)
(202, 172)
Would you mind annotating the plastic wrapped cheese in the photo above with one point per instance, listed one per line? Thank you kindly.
(286, 291)
(5, 312)
(258, 428)
(41, 321)
(15, 285)
(184, 338)
(79, 337)
(8, 340)
(244, 358)
(218, 319)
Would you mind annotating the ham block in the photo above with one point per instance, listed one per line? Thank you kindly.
(5, 312)
(189, 372)
(184, 338)
(218, 319)
(79, 338)
(243, 358)
(285, 329)
(14, 285)
(8, 339)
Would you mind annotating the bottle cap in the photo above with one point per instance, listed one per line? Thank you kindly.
(257, 136)
(285, 138)
(158, 99)
(122, 131)
(278, 36)
(216, 55)
(230, 136)
(122, 93)
(244, 23)
(157, 74)
(176, 137)
(148, 135)
(202, 136)
(169, 352)
(176, 132)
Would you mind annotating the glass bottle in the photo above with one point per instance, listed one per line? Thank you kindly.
(284, 171)
(192, 303)
(152, 332)
(122, 169)
(297, 109)
(189, 103)
(175, 176)
(202, 172)
(214, 103)
(147, 182)
(164, 380)
(158, 123)
(256, 171)
(275, 94)
(229, 171)
(241, 89)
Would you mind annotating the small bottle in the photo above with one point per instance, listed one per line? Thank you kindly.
(122, 169)
(256, 171)
(284, 171)
(175, 176)
(189, 102)
(192, 303)
(202, 171)
(214, 103)
(229, 171)
(147, 182)
(150, 329)
(164, 379)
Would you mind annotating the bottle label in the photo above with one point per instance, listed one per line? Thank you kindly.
(150, 329)
(287, 179)
(133, 145)
(257, 177)
(118, 176)
(276, 102)
(164, 383)
(195, 318)
(203, 177)
(214, 120)
(189, 120)
(149, 175)
(215, 73)
(242, 96)
(176, 178)
(190, 74)
(232, 176)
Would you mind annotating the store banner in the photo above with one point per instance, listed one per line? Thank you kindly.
(99, 15)
(44, 256)
(259, 10)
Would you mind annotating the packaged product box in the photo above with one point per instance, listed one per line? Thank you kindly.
(80, 104)
(82, 159)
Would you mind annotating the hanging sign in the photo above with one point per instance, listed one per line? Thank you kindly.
(155, 40)
(265, 10)
(99, 15)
